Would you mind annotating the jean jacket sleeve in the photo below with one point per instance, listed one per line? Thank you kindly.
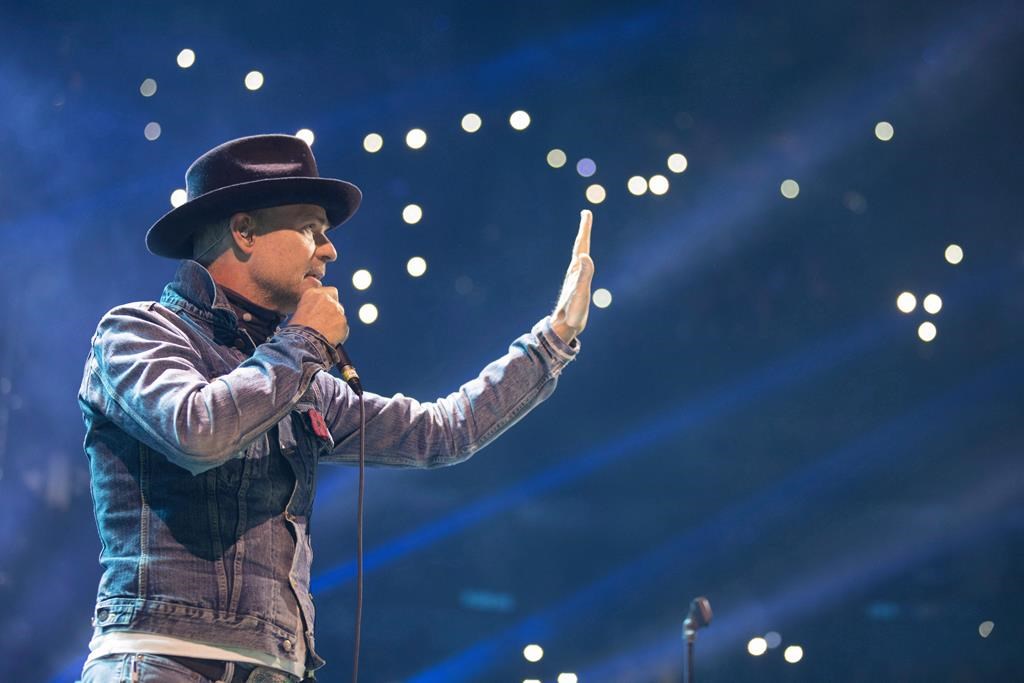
(403, 432)
(144, 374)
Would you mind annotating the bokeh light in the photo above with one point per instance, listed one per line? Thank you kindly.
(932, 303)
(148, 87)
(306, 135)
(789, 188)
(373, 142)
(567, 678)
(416, 266)
(362, 279)
(254, 80)
(471, 123)
(954, 254)
(186, 58)
(416, 138)
(595, 194)
(906, 302)
(178, 197)
(985, 628)
(368, 313)
(773, 639)
(884, 131)
(152, 130)
(793, 654)
(556, 158)
(677, 163)
(757, 646)
(533, 653)
(637, 185)
(519, 120)
(412, 214)
(657, 184)
(927, 331)
(602, 298)
(586, 167)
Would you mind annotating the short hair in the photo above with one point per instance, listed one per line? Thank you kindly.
(208, 241)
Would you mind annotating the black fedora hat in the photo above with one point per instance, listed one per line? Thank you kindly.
(246, 174)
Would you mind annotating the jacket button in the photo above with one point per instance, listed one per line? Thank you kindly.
(102, 614)
(287, 645)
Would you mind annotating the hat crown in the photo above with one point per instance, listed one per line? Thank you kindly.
(259, 157)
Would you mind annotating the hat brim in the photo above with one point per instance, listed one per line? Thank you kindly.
(171, 236)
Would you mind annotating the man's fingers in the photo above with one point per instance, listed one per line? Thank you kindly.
(582, 245)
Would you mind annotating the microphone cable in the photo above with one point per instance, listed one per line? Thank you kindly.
(351, 377)
(359, 537)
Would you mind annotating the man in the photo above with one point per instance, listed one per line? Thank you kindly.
(207, 414)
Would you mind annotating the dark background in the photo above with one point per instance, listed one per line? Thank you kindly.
(751, 419)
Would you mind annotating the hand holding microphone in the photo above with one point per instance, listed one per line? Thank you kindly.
(320, 309)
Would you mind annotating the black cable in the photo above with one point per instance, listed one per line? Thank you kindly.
(359, 537)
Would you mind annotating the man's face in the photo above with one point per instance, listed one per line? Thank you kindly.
(290, 253)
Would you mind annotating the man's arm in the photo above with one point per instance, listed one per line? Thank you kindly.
(143, 374)
(403, 432)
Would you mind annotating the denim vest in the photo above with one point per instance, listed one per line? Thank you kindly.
(203, 458)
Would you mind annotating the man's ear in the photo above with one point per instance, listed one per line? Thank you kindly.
(243, 231)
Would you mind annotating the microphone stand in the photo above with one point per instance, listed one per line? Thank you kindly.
(700, 615)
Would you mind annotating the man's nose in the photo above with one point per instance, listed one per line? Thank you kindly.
(327, 252)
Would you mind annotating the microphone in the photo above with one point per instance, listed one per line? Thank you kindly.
(699, 617)
(348, 371)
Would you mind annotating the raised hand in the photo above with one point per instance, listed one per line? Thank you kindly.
(570, 314)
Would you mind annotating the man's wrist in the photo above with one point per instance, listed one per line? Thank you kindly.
(564, 332)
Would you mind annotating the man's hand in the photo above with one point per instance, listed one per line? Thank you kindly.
(319, 308)
(570, 315)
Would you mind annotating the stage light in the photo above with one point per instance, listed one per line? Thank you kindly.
(954, 254)
(412, 214)
(254, 80)
(793, 654)
(361, 279)
(855, 202)
(884, 131)
(368, 313)
(471, 123)
(306, 135)
(789, 188)
(148, 87)
(658, 184)
(416, 266)
(602, 298)
(373, 142)
(416, 138)
(906, 302)
(773, 639)
(567, 678)
(533, 653)
(637, 185)
(595, 194)
(677, 163)
(985, 628)
(932, 303)
(556, 158)
(186, 58)
(757, 646)
(519, 120)
(178, 197)
(586, 167)
(152, 130)
(926, 331)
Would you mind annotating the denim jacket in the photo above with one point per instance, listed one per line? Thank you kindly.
(203, 459)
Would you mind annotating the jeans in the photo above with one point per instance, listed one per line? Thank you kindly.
(138, 669)
(145, 668)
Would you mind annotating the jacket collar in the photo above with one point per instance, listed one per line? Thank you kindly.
(194, 291)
